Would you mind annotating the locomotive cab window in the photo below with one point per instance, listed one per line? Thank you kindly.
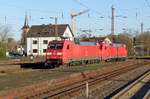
(59, 46)
(55, 46)
(51, 46)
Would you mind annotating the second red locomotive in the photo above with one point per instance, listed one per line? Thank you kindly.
(67, 52)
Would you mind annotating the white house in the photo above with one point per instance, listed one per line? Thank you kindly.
(39, 36)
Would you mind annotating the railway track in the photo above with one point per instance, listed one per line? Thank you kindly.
(72, 86)
(91, 82)
(7, 69)
(28, 65)
(75, 88)
(16, 62)
(24, 60)
(147, 96)
(131, 90)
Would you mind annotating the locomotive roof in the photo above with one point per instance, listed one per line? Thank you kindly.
(87, 43)
(118, 44)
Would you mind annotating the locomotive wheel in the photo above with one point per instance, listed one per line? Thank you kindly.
(55, 65)
(52, 65)
(91, 61)
(69, 64)
(80, 62)
(47, 65)
(98, 61)
(83, 62)
(86, 62)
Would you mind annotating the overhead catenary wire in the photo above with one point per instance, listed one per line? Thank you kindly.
(87, 7)
(31, 10)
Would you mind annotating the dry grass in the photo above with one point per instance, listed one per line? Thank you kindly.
(14, 80)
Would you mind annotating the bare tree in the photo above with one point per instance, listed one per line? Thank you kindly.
(127, 39)
(12, 44)
(4, 33)
(144, 42)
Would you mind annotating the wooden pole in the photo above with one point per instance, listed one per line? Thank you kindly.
(87, 90)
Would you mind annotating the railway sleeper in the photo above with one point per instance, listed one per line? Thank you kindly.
(112, 74)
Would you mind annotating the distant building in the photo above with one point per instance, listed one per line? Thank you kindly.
(107, 41)
(25, 30)
(39, 35)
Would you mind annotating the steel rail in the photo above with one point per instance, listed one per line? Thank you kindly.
(76, 87)
(147, 96)
(130, 90)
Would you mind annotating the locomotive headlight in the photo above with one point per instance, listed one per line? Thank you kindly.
(49, 53)
(59, 53)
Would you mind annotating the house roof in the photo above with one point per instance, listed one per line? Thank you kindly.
(47, 30)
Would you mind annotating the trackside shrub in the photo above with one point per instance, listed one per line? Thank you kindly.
(2, 53)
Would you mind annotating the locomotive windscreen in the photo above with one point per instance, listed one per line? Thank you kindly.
(55, 46)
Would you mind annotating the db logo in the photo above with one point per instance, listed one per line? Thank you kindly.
(54, 53)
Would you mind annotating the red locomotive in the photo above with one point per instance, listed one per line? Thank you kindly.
(67, 52)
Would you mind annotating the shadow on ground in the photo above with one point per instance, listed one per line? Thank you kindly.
(39, 65)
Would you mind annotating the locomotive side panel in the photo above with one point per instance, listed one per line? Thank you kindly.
(122, 52)
(81, 53)
(105, 52)
(113, 52)
(67, 52)
(118, 52)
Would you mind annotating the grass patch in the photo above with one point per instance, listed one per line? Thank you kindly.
(15, 80)
(12, 80)
(94, 66)
(2, 54)
(81, 68)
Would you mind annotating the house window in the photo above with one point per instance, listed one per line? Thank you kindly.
(34, 41)
(44, 50)
(45, 41)
(34, 50)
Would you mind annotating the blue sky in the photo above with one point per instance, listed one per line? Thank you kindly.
(14, 10)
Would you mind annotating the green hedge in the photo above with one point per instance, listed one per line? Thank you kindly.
(2, 54)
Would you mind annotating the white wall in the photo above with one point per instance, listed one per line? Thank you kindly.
(39, 46)
(68, 34)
